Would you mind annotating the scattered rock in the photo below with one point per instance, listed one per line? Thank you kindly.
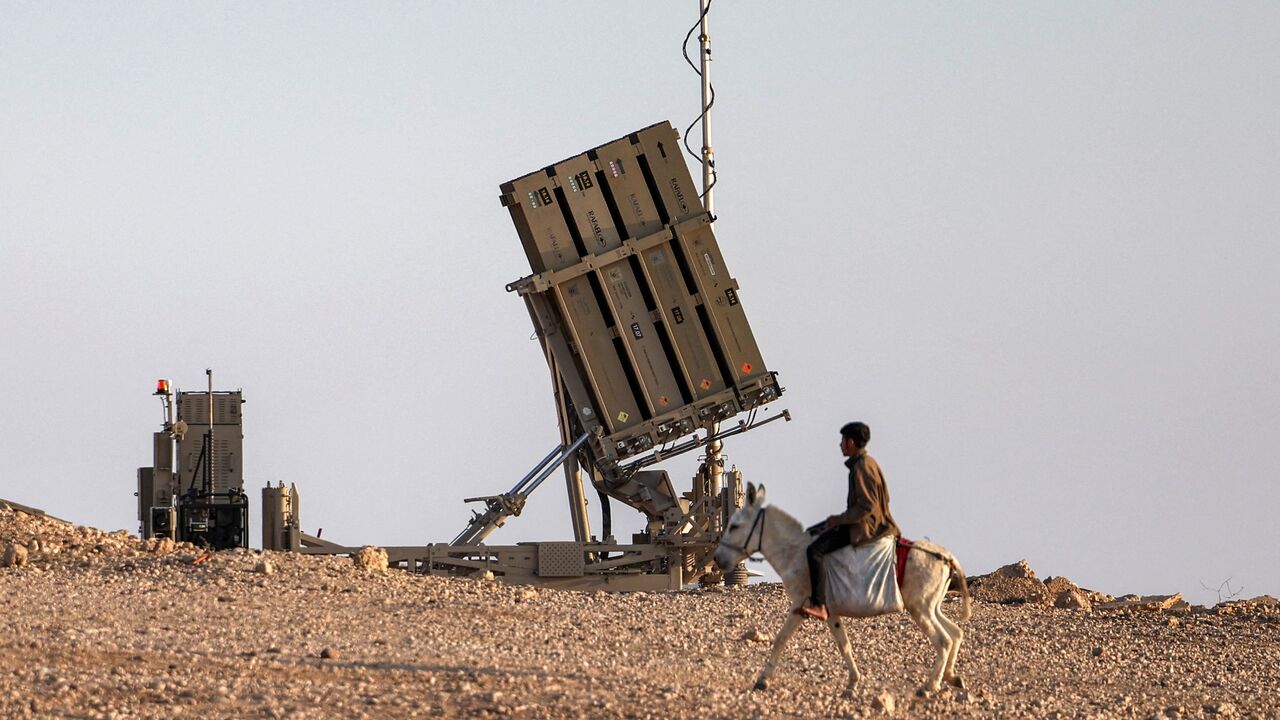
(15, 555)
(1145, 603)
(1073, 600)
(327, 653)
(884, 703)
(754, 635)
(1057, 585)
(1263, 605)
(1221, 709)
(161, 546)
(371, 558)
(1020, 569)
(264, 567)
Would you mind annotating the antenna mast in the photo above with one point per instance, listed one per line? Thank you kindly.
(708, 96)
(713, 464)
(208, 465)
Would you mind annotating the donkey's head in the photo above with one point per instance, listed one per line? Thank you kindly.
(745, 532)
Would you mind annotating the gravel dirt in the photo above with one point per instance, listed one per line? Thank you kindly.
(101, 625)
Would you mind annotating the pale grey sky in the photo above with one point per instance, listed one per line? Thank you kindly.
(1034, 245)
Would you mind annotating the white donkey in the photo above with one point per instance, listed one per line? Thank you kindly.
(930, 570)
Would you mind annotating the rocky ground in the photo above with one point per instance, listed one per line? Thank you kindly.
(99, 625)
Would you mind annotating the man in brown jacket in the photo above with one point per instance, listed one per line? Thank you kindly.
(866, 519)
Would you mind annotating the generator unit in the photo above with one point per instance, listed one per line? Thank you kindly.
(194, 490)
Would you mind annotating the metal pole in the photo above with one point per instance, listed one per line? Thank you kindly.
(565, 455)
(572, 470)
(708, 154)
(519, 487)
(209, 458)
(715, 460)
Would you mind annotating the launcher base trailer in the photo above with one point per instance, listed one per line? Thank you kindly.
(644, 333)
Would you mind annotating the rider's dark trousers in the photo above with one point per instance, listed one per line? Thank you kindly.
(827, 542)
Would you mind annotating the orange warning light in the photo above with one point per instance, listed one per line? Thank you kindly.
(705, 384)
(162, 387)
(664, 400)
(746, 368)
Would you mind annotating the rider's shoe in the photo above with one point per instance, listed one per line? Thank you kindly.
(818, 612)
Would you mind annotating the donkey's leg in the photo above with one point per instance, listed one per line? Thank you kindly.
(952, 629)
(842, 644)
(938, 638)
(779, 643)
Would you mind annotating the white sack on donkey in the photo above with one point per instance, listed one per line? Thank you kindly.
(862, 581)
(928, 573)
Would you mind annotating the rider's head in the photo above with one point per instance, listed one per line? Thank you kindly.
(854, 436)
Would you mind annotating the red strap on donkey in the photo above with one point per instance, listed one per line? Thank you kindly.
(904, 546)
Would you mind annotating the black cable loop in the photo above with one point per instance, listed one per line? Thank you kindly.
(710, 102)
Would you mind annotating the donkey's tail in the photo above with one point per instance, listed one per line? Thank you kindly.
(958, 582)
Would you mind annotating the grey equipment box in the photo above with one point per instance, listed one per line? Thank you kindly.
(228, 441)
(630, 295)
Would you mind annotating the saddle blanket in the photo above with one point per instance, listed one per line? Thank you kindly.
(862, 581)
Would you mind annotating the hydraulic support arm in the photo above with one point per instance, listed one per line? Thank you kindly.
(500, 507)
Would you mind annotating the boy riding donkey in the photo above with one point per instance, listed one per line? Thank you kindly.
(867, 518)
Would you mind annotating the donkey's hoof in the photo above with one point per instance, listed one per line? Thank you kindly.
(761, 684)
(925, 691)
(956, 681)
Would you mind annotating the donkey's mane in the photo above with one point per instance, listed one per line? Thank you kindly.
(781, 517)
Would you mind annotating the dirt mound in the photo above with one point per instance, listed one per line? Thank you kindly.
(1263, 606)
(49, 542)
(1017, 584)
(1013, 584)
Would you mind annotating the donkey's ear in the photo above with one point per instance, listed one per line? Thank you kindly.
(760, 494)
(751, 493)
